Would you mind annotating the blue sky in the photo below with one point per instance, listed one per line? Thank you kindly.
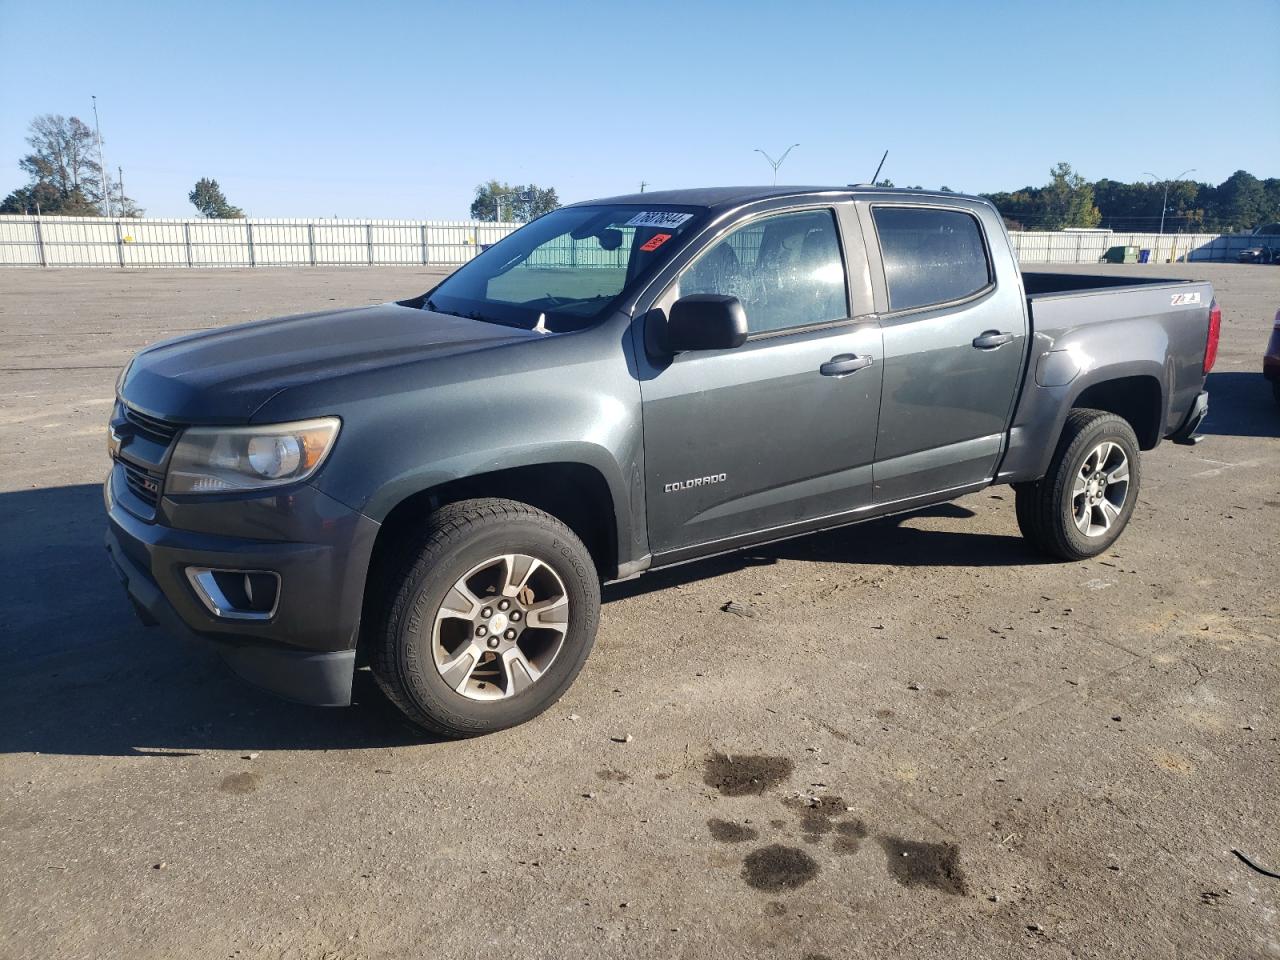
(381, 109)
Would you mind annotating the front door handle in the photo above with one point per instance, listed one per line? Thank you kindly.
(844, 364)
(991, 339)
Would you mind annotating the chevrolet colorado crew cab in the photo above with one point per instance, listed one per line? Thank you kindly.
(438, 487)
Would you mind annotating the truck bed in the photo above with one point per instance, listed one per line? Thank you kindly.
(1037, 284)
(1145, 336)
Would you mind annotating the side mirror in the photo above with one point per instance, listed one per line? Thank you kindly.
(706, 321)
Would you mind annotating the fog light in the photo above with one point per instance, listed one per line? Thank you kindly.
(237, 594)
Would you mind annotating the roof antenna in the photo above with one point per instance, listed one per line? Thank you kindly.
(876, 176)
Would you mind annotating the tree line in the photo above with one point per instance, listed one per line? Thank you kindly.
(65, 178)
(1238, 204)
(65, 173)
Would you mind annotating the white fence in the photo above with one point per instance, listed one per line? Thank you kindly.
(1068, 247)
(103, 242)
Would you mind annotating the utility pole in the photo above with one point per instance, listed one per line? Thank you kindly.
(1164, 204)
(776, 163)
(120, 184)
(525, 196)
(102, 163)
(643, 184)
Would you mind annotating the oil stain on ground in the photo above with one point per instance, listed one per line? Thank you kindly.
(240, 783)
(917, 864)
(777, 867)
(728, 832)
(816, 814)
(849, 836)
(740, 776)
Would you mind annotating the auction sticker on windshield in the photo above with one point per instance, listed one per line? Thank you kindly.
(658, 218)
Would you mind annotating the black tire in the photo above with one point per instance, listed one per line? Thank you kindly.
(1024, 503)
(457, 537)
(1045, 508)
(1275, 390)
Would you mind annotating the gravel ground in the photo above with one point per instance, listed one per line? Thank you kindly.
(920, 739)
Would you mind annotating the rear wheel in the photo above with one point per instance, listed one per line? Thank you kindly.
(494, 614)
(1086, 499)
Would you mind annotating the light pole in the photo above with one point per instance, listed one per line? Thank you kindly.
(1164, 204)
(776, 163)
(102, 164)
(499, 197)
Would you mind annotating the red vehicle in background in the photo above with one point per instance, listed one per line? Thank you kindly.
(1271, 359)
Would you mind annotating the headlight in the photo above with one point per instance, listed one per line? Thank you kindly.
(227, 459)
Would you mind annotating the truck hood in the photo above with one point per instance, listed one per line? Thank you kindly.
(225, 375)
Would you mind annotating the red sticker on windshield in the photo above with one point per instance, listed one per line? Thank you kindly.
(654, 242)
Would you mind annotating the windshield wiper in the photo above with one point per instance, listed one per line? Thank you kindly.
(473, 315)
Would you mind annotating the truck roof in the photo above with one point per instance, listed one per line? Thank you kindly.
(726, 197)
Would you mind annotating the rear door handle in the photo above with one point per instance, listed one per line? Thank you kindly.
(991, 339)
(844, 364)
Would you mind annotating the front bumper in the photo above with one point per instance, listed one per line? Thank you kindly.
(305, 651)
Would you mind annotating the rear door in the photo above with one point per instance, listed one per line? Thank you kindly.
(780, 431)
(954, 341)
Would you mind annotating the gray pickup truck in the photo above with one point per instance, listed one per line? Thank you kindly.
(437, 488)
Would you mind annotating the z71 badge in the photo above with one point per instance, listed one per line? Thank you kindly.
(1184, 299)
(695, 482)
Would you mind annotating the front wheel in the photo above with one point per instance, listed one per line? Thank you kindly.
(1086, 499)
(492, 617)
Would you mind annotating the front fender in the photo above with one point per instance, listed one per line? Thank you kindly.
(467, 465)
(567, 399)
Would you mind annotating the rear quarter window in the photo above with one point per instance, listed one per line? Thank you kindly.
(930, 256)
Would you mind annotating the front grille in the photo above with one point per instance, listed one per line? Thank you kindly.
(144, 484)
(154, 429)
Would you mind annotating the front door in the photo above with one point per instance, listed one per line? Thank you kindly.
(780, 431)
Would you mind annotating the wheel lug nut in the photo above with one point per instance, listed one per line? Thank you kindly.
(493, 642)
(504, 605)
(510, 634)
(515, 615)
(487, 612)
(481, 630)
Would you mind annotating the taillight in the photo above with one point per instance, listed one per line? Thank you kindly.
(1215, 330)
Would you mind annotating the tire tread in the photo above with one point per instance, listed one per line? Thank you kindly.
(446, 528)
(1039, 505)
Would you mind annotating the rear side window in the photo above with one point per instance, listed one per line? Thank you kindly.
(930, 256)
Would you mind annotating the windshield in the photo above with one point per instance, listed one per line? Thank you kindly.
(565, 269)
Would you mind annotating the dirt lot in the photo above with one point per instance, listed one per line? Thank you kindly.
(924, 741)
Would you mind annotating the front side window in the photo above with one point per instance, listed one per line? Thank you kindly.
(565, 269)
(930, 256)
(787, 271)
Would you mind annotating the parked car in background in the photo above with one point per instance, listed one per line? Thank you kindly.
(1271, 359)
(1262, 253)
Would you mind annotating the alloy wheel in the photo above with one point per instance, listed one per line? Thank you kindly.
(1100, 489)
(500, 627)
